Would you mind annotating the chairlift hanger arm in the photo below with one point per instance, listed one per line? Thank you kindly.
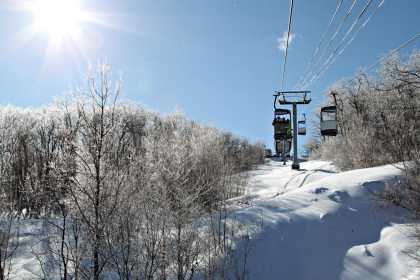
(334, 95)
(275, 101)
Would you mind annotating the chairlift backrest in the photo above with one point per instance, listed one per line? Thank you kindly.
(328, 113)
(282, 112)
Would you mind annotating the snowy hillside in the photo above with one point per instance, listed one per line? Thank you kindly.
(314, 223)
(319, 224)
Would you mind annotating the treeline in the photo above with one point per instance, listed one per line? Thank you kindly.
(122, 191)
(379, 123)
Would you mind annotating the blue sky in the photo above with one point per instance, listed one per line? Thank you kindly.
(218, 61)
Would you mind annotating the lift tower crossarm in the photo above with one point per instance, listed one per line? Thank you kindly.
(283, 97)
(292, 91)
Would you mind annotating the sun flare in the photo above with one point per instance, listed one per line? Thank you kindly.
(67, 30)
(58, 18)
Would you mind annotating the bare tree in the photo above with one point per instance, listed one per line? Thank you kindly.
(101, 160)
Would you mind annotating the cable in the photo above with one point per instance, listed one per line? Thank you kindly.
(366, 21)
(338, 29)
(287, 43)
(348, 42)
(333, 56)
(320, 43)
(403, 45)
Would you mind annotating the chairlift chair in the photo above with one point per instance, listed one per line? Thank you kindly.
(282, 124)
(282, 131)
(329, 121)
(302, 126)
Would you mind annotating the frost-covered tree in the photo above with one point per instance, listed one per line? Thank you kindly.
(102, 156)
(378, 116)
(121, 190)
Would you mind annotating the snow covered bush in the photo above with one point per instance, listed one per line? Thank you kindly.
(378, 117)
(379, 121)
(121, 190)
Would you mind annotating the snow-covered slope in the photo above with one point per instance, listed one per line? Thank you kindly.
(316, 223)
(320, 224)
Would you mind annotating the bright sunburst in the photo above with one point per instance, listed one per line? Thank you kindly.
(70, 27)
(58, 18)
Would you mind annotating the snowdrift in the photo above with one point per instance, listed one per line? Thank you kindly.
(319, 224)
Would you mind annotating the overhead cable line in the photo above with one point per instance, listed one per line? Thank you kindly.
(328, 46)
(287, 43)
(403, 45)
(321, 41)
(348, 42)
(332, 57)
(366, 21)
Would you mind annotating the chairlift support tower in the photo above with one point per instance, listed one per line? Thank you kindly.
(293, 98)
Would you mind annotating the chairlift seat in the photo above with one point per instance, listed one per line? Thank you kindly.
(329, 128)
(279, 147)
(302, 130)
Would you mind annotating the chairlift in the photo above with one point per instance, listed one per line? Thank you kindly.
(329, 121)
(302, 126)
(282, 124)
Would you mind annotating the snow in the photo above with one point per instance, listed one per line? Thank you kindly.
(315, 223)
(25, 266)
(320, 224)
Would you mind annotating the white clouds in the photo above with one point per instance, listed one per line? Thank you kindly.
(282, 41)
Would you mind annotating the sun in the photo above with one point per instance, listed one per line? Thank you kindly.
(60, 19)
(61, 27)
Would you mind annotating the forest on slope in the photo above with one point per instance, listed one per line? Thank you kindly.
(119, 190)
(378, 119)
